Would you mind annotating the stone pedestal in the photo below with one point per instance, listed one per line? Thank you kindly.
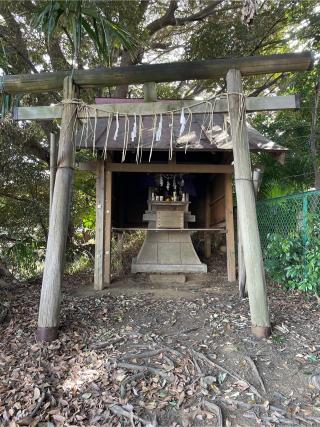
(167, 251)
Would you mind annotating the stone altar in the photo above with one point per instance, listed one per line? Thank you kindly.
(167, 247)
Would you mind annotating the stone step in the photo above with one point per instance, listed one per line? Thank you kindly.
(167, 278)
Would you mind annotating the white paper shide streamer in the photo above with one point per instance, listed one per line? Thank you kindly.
(183, 122)
(117, 127)
(159, 130)
(134, 129)
(133, 126)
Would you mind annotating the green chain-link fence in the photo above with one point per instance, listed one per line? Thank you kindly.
(288, 214)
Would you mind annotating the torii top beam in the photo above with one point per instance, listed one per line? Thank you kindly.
(176, 71)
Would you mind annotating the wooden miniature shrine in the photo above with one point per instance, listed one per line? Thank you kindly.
(209, 141)
(197, 155)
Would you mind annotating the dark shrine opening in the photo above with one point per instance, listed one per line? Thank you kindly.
(130, 194)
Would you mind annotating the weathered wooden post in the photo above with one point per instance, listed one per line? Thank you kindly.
(53, 165)
(256, 283)
(107, 225)
(256, 179)
(100, 220)
(207, 235)
(52, 276)
(150, 92)
(231, 254)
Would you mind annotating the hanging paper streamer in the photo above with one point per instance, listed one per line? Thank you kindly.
(117, 127)
(125, 138)
(153, 135)
(107, 136)
(159, 131)
(94, 131)
(134, 129)
(139, 146)
(171, 137)
(189, 130)
(183, 122)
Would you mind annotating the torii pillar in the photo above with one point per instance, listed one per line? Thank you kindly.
(48, 320)
(256, 282)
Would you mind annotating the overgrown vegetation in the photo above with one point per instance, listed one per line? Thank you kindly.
(294, 260)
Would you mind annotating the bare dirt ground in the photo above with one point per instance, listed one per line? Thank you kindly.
(139, 354)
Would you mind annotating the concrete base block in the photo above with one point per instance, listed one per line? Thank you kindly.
(167, 268)
(167, 278)
(167, 252)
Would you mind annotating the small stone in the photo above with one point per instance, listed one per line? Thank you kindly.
(315, 381)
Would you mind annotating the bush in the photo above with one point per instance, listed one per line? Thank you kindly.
(124, 247)
(24, 257)
(294, 261)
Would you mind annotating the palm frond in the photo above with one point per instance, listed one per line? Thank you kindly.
(84, 17)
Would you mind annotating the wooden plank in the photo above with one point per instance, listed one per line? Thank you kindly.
(51, 112)
(107, 225)
(230, 242)
(49, 309)
(150, 92)
(217, 199)
(53, 165)
(247, 209)
(207, 236)
(169, 219)
(168, 72)
(262, 103)
(169, 168)
(99, 238)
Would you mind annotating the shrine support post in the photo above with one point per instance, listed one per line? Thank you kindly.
(100, 220)
(107, 226)
(230, 244)
(53, 164)
(48, 319)
(256, 283)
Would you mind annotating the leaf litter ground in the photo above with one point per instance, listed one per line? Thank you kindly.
(140, 354)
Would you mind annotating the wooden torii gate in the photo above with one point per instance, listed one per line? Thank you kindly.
(237, 105)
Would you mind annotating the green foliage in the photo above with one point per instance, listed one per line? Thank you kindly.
(80, 17)
(273, 188)
(292, 130)
(281, 253)
(294, 261)
(25, 257)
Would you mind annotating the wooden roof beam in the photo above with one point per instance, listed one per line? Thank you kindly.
(90, 166)
(176, 71)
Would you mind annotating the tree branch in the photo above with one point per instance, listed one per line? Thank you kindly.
(268, 83)
(57, 59)
(169, 19)
(14, 46)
